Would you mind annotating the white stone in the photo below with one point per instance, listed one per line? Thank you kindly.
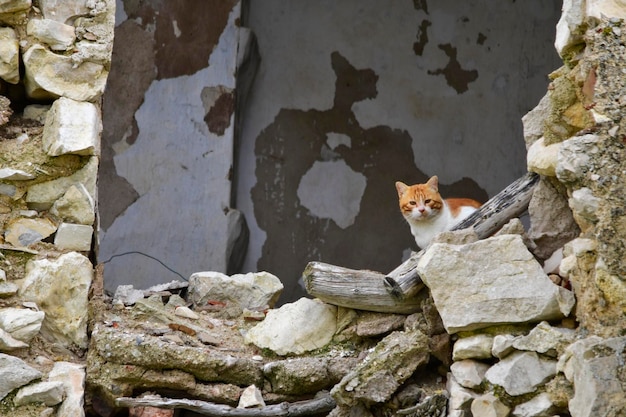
(36, 112)
(23, 324)
(469, 373)
(460, 398)
(57, 35)
(569, 29)
(9, 56)
(43, 195)
(74, 237)
(487, 405)
(47, 392)
(72, 376)
(60, 287)
(24, 232)
(534, 121)
(502, 345)
(75, 206)
(72, 127)
(252, 291)
(584, 204)
(574, 156)
(538, 406)
(295, 327)
(473, 347)
(8, 343)
(593, 365)
(543, 159)
(62, 11)
(498, 280)
(15, 373)
(186, 312)
(251, 397)
(603, 9)
(545, 339)
(14, 174)
(49, 75)
(521, 372)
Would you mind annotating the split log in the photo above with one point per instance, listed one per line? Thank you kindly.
(358, 289)
(321, 404)
(404, 281)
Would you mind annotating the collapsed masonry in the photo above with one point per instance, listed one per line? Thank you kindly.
(440, 357)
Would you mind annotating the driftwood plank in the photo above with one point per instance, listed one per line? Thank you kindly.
(358, 289)
(322, 404)
(404, 281)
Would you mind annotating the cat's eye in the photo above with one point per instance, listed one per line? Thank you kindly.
(412, 202)
(428, 201)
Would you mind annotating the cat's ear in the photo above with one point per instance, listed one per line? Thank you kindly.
(401, 188)
(433, 183)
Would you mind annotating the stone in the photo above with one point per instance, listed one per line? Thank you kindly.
(43, 195)
(58, 36)
(63, 11)
(598, 10)
(14, 174)
(542, 158)
(49, 75)
(47, 392)
(574, 158)
(545, 339)
(8, 289)
(460, 398)
(584, 205)
(498, 280)
(473, 347)
(570, 29)
(596, 368)
(488, 405)
(25, 232)
(72, 376)
(72, 127)
(186, 312)
(9, 56)
(36, 112)
(15, 373)
(23, 324)
(127, 295)
(298, 376)
(533, 122)
(75, 206)
(521, 372)
(253, 291)
(502, 345)
(289, 329)
(386, 368)
(8, 343)
(60, 287)
(76, 237)
(369, 324)
(251, 397)
(540, 405)
(469, 373)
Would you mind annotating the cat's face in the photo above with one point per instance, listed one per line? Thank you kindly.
(420, 201)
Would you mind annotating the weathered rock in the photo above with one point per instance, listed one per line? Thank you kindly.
(251, 397)
(127, 295)
(23, 324)
(61, 11)
(584, 206)
(469, 373)
(540, 405)
(9, 56)
(254, 291)
(57, 35)
(391, 363)
(72, 127)
(460, 398)
(24, 232)
(370, 324)
(43, 195)
(12, 6)
(48, 392)
(36, 112)
(545, 339)
(596, 368)
(75, 206)
(186, 312)
(502, 345)
(49, 75)
(298, 376)
(14, 174)
(72, 376)
(473, 347)
(521, 372)
(289, 329)
(75, 237)
(570, 29)
(60, 287)
(8, 343)
(542, 158)
(506, 284)
(488, 405)
(574, 159)
(15, 373)
(534, 121)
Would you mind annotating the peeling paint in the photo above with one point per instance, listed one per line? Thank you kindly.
(220, 113)
(456, 77)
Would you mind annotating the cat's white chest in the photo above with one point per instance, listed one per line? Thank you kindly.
(425, 230)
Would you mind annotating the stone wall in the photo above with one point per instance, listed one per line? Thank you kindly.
(54, 62)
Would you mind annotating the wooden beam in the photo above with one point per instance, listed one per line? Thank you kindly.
(404, 281)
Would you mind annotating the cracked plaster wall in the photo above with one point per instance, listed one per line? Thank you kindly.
(348, 98)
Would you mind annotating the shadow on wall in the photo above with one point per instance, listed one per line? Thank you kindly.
(311, 162)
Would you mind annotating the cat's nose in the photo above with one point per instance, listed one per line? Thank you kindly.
(421, 209)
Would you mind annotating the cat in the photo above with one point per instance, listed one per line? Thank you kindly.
(427, 213)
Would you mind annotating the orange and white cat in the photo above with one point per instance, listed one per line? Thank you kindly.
(427, 213)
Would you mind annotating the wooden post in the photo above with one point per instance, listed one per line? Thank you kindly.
(404, 281)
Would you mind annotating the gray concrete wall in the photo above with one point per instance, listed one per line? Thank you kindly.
(349, 97)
